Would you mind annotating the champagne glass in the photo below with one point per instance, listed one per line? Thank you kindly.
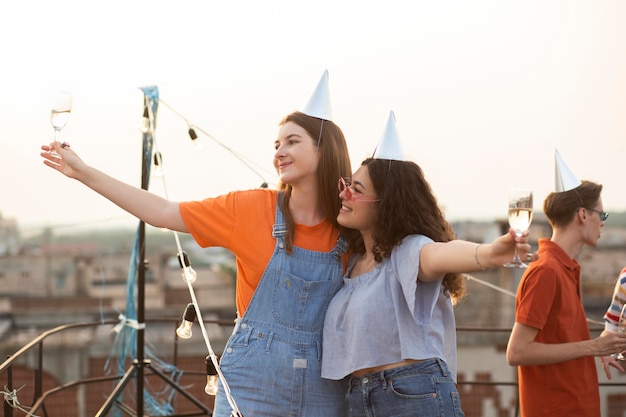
(621, 328)
(60, 113)
(520, 216)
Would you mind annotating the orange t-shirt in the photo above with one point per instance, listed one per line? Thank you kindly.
(548, 299)
(242, 221)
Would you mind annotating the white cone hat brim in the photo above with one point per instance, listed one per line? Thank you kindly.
(318, 104)
(389, 143)
(564, 178)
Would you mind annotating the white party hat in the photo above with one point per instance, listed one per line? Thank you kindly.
(389, 143)
(564, 178)
(318, 104)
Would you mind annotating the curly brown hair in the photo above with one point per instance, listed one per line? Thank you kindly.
(407, 206)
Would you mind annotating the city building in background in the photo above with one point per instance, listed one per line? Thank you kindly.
(52, 279)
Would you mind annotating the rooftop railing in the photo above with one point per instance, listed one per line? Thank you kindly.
(25, 374)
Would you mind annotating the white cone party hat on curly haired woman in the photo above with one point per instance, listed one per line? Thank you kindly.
(389, 143)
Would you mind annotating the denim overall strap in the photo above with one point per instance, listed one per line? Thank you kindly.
(272, 362)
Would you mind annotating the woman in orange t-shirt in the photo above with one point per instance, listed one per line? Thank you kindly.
(290, 259)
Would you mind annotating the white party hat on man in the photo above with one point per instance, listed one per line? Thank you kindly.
(389, 143)
(564, 178)
(318, 104)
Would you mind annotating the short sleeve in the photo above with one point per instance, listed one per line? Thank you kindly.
(536, 297)
(405, 260)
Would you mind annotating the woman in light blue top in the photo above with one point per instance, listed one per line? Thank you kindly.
(390, 329)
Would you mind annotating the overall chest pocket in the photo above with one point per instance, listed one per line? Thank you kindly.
(301, 304)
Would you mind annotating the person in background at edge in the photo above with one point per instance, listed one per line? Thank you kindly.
(550, 341)
(612, 319)
(288, 248)
(391, 329)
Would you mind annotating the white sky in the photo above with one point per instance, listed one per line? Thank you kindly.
(483, 92)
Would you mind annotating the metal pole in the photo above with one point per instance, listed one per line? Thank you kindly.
(141, 274)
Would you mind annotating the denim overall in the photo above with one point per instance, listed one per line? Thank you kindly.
(272, 361)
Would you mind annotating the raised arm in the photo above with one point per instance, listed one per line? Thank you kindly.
(151, 208)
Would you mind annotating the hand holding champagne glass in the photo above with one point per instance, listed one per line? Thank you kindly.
(60, 113)
(621, 328)
(520, 216)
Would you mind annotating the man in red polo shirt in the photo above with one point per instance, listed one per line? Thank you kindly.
(550, 341)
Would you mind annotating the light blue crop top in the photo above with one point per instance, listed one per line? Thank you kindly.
(387, 315)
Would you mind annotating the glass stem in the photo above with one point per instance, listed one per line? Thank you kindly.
(516, 257)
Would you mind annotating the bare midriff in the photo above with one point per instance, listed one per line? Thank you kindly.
(376, 369)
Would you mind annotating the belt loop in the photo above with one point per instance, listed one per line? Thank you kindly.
(269, 341)
(442, 366)
(248, 329)
(383, 380)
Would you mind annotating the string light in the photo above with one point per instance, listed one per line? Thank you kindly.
(189, 274)
(158, 169)
(189, 316)
(211, 377)
(144, 126)
(198, 146)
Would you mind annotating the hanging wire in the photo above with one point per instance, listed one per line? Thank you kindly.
(242, 158)
(125, 345)
(490, 285)
(10, 397)
(185, 265)
(512, 294)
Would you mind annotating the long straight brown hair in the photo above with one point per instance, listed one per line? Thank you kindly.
(334, 162)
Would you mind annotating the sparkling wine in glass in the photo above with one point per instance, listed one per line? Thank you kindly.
(621, 327)
(520, 216)
(60, 113)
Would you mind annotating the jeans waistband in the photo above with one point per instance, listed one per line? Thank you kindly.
(427, 366)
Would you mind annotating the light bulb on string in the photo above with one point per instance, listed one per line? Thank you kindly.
(189, 274)
(158, 168)
(144, 126)
(198, 146)
(211, 377)
(189, 316)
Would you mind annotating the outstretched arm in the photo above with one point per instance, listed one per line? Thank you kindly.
(457, 256)
(151, 208)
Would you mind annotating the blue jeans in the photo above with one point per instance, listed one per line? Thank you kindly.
(420, 389)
